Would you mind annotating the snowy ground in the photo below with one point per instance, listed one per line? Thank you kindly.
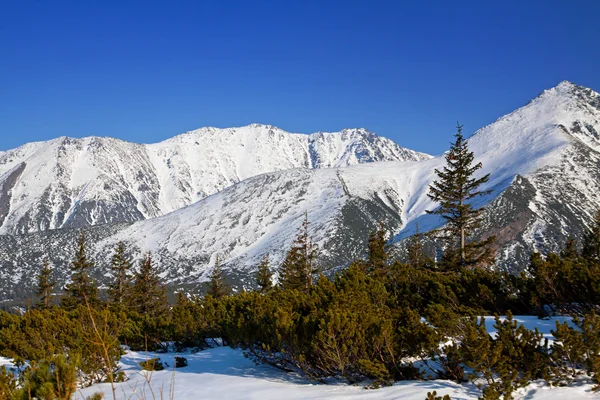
(224, 373)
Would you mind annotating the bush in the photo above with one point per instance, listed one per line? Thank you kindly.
(510, 361)
(56, 379)
(152, 364)
(577, 349)
(433, 396)
(181, 362)
(8, 383)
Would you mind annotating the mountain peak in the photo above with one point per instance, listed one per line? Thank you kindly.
(565, 85)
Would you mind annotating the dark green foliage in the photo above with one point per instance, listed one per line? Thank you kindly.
(416, 256)
(188, 324)
(147, 323)
(340, 328)
(8, 383)
(121, 265)
(511, 360)
(96, 339)
(148, 295)
(433, 396)
(300, 264)
(570, 250)
(454, 190)
(41, 334)
(218, 288)
(152, 364)
(377, 254)
(564, 283)
(181, 362)
(577, 350)
(49, 380)
(45, 285)
(364, 323)
(591, 243)
(264, 277)
(81, 288)
(560, 281)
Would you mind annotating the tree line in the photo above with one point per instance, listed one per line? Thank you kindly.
(378, 321)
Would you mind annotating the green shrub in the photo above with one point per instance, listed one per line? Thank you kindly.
(152, 364)
(8, 383)
(433, 396)
(51, 380)
(510, 361)
(577, 349)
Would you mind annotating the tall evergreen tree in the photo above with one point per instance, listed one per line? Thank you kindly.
(264, 275)
(45, 285)
(121, 265)
(81, 288)
(377, 254)
(148, 295)
(300, 263)
(416, 256)
(569, 252)
(454, 190)
(218, 288)
(591, 241)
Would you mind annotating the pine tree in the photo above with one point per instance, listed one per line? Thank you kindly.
(217, 287)
(121, 265)
(148, 295)
(264, 275)
(416, 256)
(45, 284)
(569, 252)
(591, 241)
(81, 288)
(377, 255)
(299, 265)
(453, 191)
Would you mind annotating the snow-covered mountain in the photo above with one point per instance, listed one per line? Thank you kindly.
(69, 182)
(544, 161)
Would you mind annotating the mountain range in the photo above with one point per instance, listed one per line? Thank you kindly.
(242, 192)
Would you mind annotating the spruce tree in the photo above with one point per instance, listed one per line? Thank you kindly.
(416, 256)
(81, 289)
(218, 288)
(569, 252)
(591, 241)
(45, 285)
(377, 255)
(121, 265)
(454, 190)
(264, 276)
(148, 295)
(300, 263)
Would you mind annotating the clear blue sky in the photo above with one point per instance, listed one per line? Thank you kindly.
(145, 71)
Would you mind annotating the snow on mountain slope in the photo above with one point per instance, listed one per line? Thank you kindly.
(544, 161)
(81, 182)
(261, 214)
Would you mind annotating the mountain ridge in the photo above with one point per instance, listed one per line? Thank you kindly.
(81, 182)
(544, 161)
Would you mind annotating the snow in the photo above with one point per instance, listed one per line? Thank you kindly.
(224, 373)
(242, 192)
(260, 215)
(155, 179)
